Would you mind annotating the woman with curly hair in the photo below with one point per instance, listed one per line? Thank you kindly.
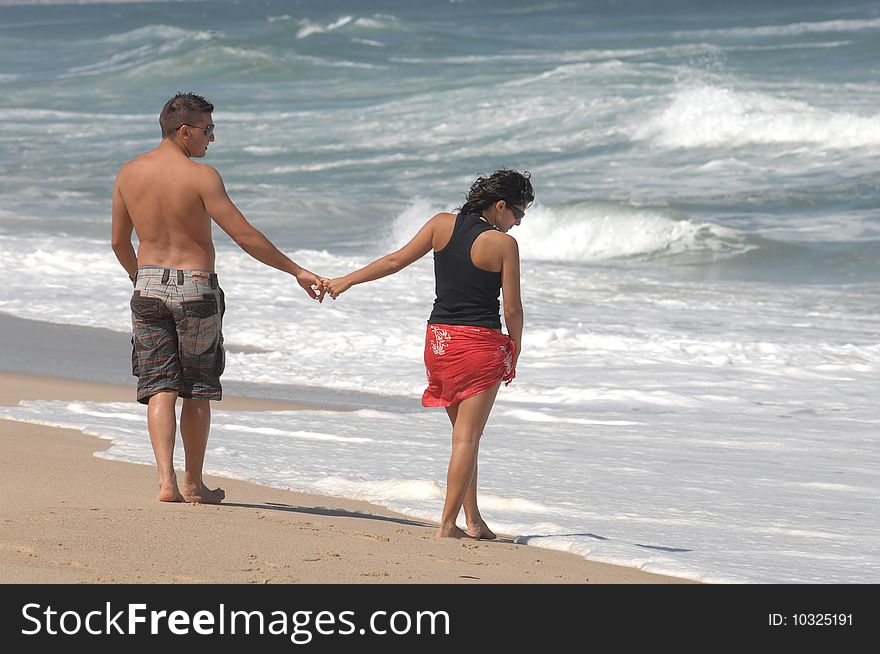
(466, 354)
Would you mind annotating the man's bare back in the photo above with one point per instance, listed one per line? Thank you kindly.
(162, 190)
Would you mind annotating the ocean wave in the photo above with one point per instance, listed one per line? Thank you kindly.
(223, 57)
(369, 42)
(597, 231)
(155, 56)
(606, 233)
(150, 49)
(122, 61)
(377, 22)
(591, 232)
(787, 46)
(709, 115)
(265, 151)
(308, 28)
(566, 56)
(161, 33)
(28, 114)
(790, 29)
(342, 163)
(380, 22)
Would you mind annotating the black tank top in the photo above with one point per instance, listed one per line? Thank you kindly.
(466, 295)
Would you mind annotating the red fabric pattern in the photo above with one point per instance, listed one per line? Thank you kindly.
(462, 361)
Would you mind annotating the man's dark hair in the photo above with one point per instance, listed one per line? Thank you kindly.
(503, 184)
(182, 109)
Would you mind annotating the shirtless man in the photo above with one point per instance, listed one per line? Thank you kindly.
(177, 306)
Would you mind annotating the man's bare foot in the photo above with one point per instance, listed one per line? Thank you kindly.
(204, 495)
(169, 494)
(480, 530)
(450, 532)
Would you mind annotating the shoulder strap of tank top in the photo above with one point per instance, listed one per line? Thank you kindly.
(477, 227)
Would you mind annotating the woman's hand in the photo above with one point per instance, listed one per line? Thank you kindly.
(336, 287)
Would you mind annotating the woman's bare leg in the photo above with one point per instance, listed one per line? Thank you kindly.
(476, 526)
(469, 420)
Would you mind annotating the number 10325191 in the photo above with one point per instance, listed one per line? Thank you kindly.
(810, 620)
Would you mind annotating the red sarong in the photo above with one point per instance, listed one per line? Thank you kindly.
(462, 361)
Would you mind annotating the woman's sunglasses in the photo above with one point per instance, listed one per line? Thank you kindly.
(517, 212)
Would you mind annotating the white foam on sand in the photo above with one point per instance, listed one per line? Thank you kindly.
(659, 497)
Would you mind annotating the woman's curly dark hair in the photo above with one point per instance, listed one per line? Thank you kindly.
(504, 184)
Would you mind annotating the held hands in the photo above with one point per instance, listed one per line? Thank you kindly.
(317, 287)
(335, 287)
(311, 284)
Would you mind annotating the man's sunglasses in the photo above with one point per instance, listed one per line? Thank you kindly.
(209, 130)
(517, 212)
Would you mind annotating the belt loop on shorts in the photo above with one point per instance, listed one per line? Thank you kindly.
(213, 280)
(180, 278)
(165, 274)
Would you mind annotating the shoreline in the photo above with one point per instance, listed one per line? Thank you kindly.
(71, 517)
(103, 356)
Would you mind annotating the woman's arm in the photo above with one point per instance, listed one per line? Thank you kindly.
(418, 247)
(510, 292)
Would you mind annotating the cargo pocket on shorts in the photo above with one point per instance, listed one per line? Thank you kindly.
(202, 328)
(145, 313)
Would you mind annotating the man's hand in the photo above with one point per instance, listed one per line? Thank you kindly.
(336, 287)
(311, 284)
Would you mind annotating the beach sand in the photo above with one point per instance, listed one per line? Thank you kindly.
(69, 517)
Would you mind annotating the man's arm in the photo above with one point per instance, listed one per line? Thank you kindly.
(224, 212)
(120, 234)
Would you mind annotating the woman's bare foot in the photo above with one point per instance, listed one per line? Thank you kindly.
(450, 532)
(204, 495)
(480, 530)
